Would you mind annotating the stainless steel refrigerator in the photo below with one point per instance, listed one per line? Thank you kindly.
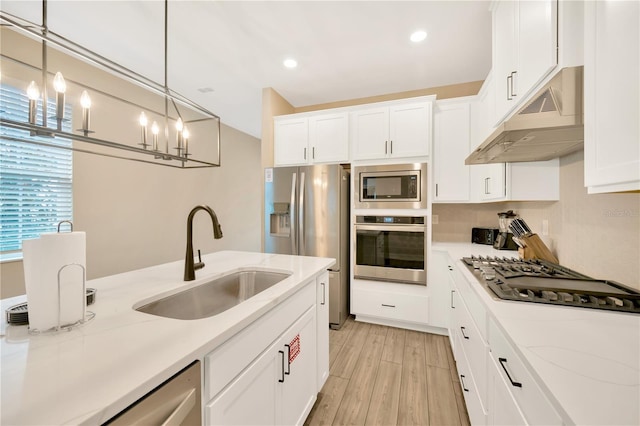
(307, 214)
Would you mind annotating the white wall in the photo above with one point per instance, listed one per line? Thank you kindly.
(135, 214)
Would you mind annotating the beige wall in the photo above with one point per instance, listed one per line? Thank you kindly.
(135, 214)
(597, 234)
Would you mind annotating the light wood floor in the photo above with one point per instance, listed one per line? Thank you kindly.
(389, 376)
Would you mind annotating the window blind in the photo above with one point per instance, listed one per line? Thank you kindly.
(35, 180)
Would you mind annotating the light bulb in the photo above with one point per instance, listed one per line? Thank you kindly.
(143, 119)
(185, 133)
(33, 93)
(154, 128)
(179, 125)
(59, 84)
(85, 100)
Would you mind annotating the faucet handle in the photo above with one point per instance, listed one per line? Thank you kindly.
(199, 264)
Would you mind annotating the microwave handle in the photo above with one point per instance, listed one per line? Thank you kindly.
(301, 231)
(392, 228)
(292, 214)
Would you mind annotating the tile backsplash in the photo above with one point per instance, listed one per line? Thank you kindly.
(596, 234)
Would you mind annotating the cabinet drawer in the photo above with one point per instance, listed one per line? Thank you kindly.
(474, 347)
(228, 360)
(533, 404)
(472, 398)
(390, 305)
(471, 299)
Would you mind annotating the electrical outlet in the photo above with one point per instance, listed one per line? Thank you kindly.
(434, 219)
(545, 227)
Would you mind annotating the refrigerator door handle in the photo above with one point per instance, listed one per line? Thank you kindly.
(292, 215)
(301, 249)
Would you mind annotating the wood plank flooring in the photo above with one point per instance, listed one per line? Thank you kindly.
(389, 376)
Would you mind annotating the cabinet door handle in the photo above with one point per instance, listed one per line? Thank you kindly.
(509, 86)
(282, 379)
(436, 189)
(464, 387)
(323, 294)
(513, 77)
(313, 153)
(389, 306)
(385, 147)
(391, 147)
(486, 185)
(462, 329)
(452, 306)
(305, 154)
(502, 362)
(288, 361)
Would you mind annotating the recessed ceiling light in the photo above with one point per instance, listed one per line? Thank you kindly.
(290, 63)
(418, 36)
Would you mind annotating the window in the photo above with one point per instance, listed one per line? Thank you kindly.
(35, 180)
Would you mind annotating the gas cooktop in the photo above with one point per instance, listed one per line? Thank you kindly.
(540, 281)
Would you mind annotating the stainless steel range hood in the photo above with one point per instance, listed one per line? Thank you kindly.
(548, 126)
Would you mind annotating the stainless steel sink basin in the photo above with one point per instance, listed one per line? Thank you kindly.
(213, 297)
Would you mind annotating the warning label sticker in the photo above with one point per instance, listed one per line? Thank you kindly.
(295, 348)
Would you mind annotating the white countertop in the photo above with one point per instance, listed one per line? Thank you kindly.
(89, 374)
(587, 361)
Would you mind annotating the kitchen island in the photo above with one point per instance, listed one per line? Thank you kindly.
(582, 365)
(91, 373)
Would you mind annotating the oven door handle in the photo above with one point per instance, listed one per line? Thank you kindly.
(392, 228)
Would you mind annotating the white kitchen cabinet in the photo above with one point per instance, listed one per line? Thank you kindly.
(395, 131)
(451, 147)
(530, 400)
(311, 139)
(322, 332)
(384, 301)
(267, 374)
(291, 139)
(470, 391)
(277, 388)
(611, 96)
(489, 181)
(440, 290)
(328, 138)
(525, 49)
(503, 408)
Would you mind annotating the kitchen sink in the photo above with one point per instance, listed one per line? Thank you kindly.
(213, 297)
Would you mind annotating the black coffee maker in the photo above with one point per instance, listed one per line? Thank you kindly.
(504, 240)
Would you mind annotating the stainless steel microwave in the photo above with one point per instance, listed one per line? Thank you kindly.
(391, 186)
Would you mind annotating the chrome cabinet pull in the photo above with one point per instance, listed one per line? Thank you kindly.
(513, 76)
(452, 306)
(388, 306)
(323, 294)
(391, 145)
(288, 360)
(305, 154)
(436, 189)
(464, 387)
(462, 329)
(509, 85)
(282, 379)
(313, 153)
(385, 147)
(502, 362)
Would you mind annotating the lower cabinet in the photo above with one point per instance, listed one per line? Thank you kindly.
(390, 301)
(497, 386)
(269, 373)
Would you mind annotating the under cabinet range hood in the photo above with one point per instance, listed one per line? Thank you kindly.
(548, 126)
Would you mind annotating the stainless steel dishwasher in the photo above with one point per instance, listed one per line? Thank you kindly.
(174, 402)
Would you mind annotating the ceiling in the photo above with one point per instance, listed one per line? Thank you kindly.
(223, 53)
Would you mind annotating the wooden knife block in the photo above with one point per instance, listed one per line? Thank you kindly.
(535, 249)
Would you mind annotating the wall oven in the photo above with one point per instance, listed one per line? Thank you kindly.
(391, 248)
(391, 186)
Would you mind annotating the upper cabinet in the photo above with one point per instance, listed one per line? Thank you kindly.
(301, 140)
(611, 96)
(525, 49)
(451, 144)
(385, 130)
(395, 131)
